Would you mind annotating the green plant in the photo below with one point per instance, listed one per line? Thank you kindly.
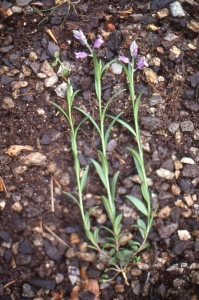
(65, 71)
(115, 252)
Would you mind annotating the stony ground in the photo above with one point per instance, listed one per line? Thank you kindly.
(43, 253)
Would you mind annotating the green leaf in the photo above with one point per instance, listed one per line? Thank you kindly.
(108, 64)
(100, 171)
(54, 63)
(113, 184)
(56, 54)
(59, 108)
(108, 229)
(90, 236)
(136, 107)
(107, 245)
(90, 118)
(145, 192)
(117, 224)
(104, 162)
(138, 162)
(124, 124)
(111, 99)
(65, 72)
(110, 127)
(145, 245)
(112, 261)
(73, 197)
(141, 227)
(92, 247)
(120, 255)
(138, 204)
(112, 252)
(84, 178)
(109, 239)
(95, 235)
(132, 243)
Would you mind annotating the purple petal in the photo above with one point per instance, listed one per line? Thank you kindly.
(79, 35)
(142, 62)
(80, 55)
(134, 49)
(124, 59)
(98, 42)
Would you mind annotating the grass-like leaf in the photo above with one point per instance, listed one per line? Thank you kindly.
(84, 178)
(72, 197)
(138, 204)
(113, 184)
(95, 235)
(100, 171)
(136, 107)
(145, 192)
(60, 109)
(124, 124)
(90, 118)
(110, 127)
(142, 227)
(138, 162)
(117, 226)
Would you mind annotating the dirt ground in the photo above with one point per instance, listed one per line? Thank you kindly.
(43, 254)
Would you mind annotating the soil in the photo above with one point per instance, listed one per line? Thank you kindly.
(35, 263)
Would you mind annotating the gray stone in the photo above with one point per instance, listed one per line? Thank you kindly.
(56, 20)
(173, 127)
(61, 90)
(35, 66)
(187, 126)
(157, 4)
(46, 284)
(152, 123)
(25, 247)
(155, 99)
(47, 68)
(6, 49)
(115, 40)
(135, 18)
(6, 80)
(8, 103)
(51, 80)
(17, 9)
(176, 9)
(136, 286)
(27, 291)
(23, 259)
(22, 2)
(167, 231)
(116, 68)
(170, 37)
(194, 79)
(111, 145)
(190, 171)
(52, 48)
(52, 251)
(64, 179)
(194, 277)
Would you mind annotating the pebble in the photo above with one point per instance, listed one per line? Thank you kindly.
(163, 13)
(38, 241)
(32, 56)
(178, 165)
(167, 231)
(115, 40)
(2, 205)
(73, 270)
(17, 207)
(52, 251)
(6, 49)
(170, 37)
(155, 99)
(187, 126)
(187, 160)
(188, 199)
(175, 189)
(17, 9)
(26, 71)
(73, 279)
(8, 103)
(136, 272)
(184, 235)
(157, 4)
(194, 26)
(23, 259)
(116, 68)
(194, 277)
(47, 68)
(46, 284)
(111, 145)
(74, 238)
(52, 48)
(22, 2)
(135, 18)
(190, 171)
(152, 123)
(178, 283)
(64, 179)
(174, 53)
(51, 80)
(119, 288)
(179, 268)
(163, 173)
(19, 84)
(87, 256)
(34, 159)
(101, 219)
(66, 65)
(176, 9)
(59, 278)
(27, 291)
(180, 246)
(164, 213)
(35, 66)
(71, 253)
(136, 286)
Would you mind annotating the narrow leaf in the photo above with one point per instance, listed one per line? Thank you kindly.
(138, 204)
(100, 171)
(136, 107)
(113, 184)
(124, 124)
(84, 178)
(142, 227)
(138, 162)
(112, 252)
(95, 235)
(90, 118)
(61, 109)
(73, 197)
(108, 229)
(145, 192)
(117, 224)
(110, 127)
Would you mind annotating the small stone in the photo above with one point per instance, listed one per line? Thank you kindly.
(71, 253)
(8, 103)
(20, 170)
(176, 9)
(34, 159)
(87, 256)
(167, 231)
(163, 173)
(115, 40)
(178, 165)
(47, 68)
(52, 48)
(41, 75)
(136, 286)
(194, 26)
(26, 71)
(178, 283)
(51, 80)
(165, 212)
(46, 284)
(169, 37)
(184, 235)
(23, 259)
(194, 277)
(119, 288)
(59, 278)
(162, 13)
(6, 49)
(19, 84)
(35, 66)
(61, 90)
(155, 99)
(17, 9)
(2, 205)
(22, 2)
(152, 123)
(6, 80)
(73, 279)
(174, 53)
(101, 219)
(32, 56)
(187, 160)
(17, 207)
(116, 68)
(187, 126)
(27, 291)
(52, 251)
(136, 272)
(190, 171)
(39, 87)
(74, 238)
(64, 179)
(65, 66)
(135, 18)
(179, 268)
(175, 189)
(188, 199)
(111, 145)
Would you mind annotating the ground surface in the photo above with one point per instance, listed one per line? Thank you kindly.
(34, 262)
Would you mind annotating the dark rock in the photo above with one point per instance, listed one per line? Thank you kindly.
(6, 49)
(190, 94)
(93, 273)
(152, 123)
(157, 4)
(179, 246)
(44, 56)
(5, 236)
(62, 10)
(196, 246)
(195, 210)
(22, 2)
(25, 247)
(175, 214)
(191, 105)
(168, 164)
(179, 23)
(7, 41)
(23, 259)
(52, 251)
(56, 20)
(52, 48)
(47, 284)
(109, 54)
(135, 18)
(28, 192)
(194, 79)
(187, 186)
(35, 66)
(8, 255)
(86, 295)
(153, 235)
(115, 40)
(148, 20)
(6, 80)
(189, 255)
(167, 231)
(16, 197)
(27, 291)
(45, 140)
(6, 4)
(190, 171)
(18, 224)
(7, 63)
(15, 60)
(26, 96)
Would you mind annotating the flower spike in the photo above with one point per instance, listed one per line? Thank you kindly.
(134, 49)
(124, 59)
(81, 55)
(98, 43)
(79, 35)
(142, 62)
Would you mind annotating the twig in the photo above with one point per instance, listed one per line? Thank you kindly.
(56, 236)
(52, 195)
(9, 283)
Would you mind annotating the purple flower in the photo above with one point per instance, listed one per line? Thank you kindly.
(134, 49)
(98, 42)
(142, 62)
(81, 55)
(124, 59)
(79, 35)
